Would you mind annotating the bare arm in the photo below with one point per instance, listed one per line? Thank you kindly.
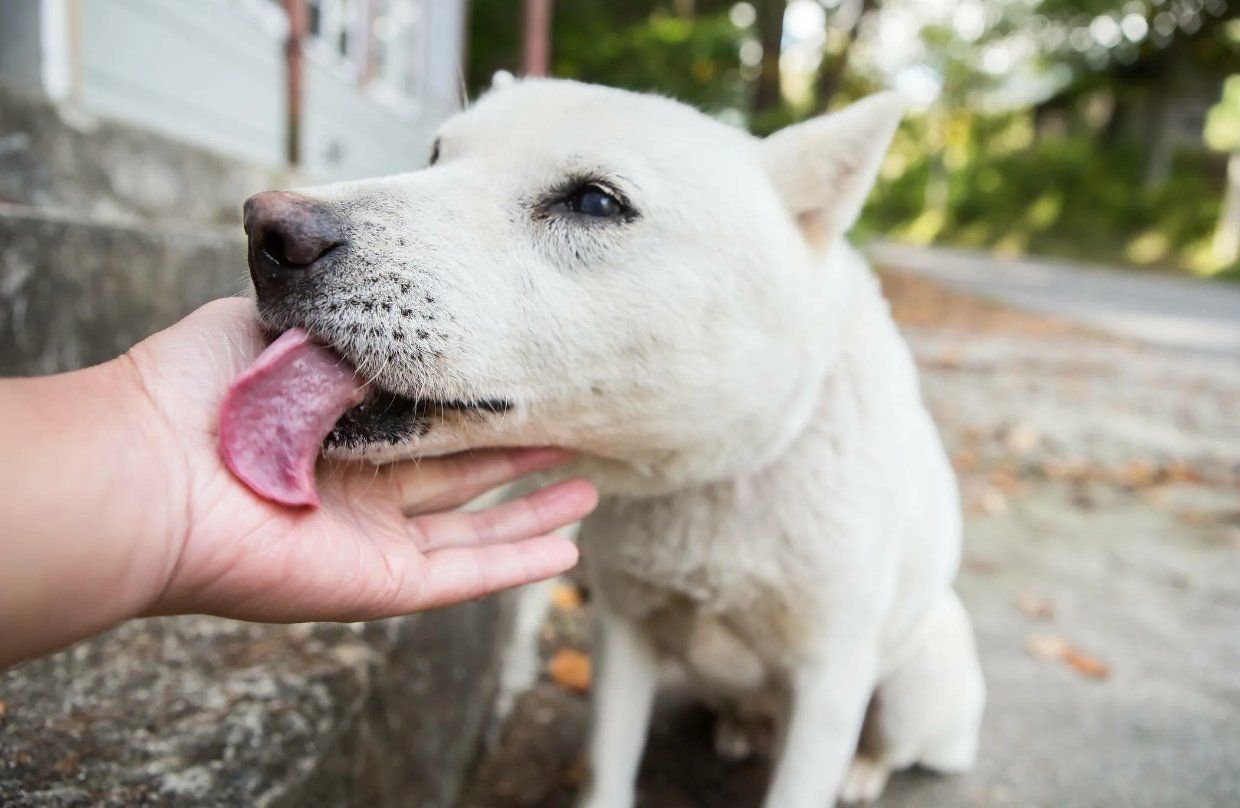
(114, 504)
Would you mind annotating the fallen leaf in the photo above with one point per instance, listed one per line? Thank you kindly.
(1177, 471)
(1086, 664)
(566, 597)
(1052, 646)
(1035, 607)
(4, 711)
(965, 460)
(1139, 473)
(570, 669)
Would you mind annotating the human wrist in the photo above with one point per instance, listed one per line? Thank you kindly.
(152, 488)
(90, 525)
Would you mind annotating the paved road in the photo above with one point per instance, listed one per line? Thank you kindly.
(1167, 310)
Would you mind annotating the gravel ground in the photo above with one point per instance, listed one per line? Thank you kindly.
(1101, 483)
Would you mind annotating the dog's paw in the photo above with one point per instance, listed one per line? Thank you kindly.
(864, 782)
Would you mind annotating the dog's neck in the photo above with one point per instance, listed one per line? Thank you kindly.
(854, 322)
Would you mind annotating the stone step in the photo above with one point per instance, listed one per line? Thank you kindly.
(199, 711)
(75, 291)
(60, 157)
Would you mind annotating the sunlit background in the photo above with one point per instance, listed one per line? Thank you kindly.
(1093, 129)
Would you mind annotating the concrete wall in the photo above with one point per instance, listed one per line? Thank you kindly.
(20, 58)
(209, 72)
(60, 158)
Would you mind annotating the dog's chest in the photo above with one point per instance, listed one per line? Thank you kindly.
(766, 561)
(720, 571)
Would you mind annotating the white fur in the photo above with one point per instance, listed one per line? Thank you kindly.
(779, 515)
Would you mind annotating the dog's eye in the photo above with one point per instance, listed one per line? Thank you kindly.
(591, 200)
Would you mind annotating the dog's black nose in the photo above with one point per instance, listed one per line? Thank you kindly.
(288, 235)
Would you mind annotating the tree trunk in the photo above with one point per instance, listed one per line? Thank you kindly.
(1226, 247)
(1159, 147)
(938, 187)
(770, 33)
(831, 70)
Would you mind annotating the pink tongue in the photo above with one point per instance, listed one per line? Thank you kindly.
(276, 415)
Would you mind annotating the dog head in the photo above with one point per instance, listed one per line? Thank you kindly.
(580, 266)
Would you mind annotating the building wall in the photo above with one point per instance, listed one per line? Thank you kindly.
(20, 60)
(365, 116)
(346, 134)
(212, 72)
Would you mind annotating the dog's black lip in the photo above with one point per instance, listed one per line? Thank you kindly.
(380, 399)
(386, 418)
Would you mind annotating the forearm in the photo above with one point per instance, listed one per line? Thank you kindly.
(81, 517)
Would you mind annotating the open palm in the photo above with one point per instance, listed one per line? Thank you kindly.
(384, 541)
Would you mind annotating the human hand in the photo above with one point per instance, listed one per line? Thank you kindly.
(380, 544)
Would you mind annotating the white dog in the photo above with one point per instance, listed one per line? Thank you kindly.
(674, 299)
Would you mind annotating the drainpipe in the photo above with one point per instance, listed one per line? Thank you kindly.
(298, 21)
(536, 60)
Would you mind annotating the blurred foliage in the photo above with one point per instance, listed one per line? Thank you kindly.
(1089, 157)
(1012, 192)
(691, 59)
(643, 46)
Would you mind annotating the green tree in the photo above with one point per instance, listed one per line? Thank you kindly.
(687, 51)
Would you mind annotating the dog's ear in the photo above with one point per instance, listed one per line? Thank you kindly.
(824, 168)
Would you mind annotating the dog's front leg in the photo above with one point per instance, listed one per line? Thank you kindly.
(624, 690)
(829, 697)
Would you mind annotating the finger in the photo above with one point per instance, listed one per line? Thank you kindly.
(540, 512)
(464, 573)
(443, 483)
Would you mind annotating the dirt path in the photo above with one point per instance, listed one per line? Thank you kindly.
(1166, 309)
(1101, 481)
